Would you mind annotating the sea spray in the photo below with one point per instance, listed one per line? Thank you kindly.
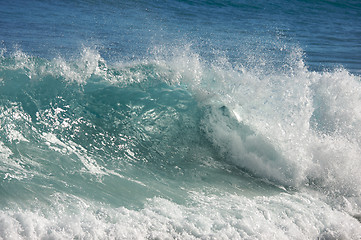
(277, 124)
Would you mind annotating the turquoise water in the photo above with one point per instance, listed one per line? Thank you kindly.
(180, 120)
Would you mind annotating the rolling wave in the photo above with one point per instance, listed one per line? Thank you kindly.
(128, 133)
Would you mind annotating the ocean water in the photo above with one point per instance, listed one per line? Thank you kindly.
(174, 119)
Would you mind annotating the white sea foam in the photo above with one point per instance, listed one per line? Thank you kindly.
(285, 216)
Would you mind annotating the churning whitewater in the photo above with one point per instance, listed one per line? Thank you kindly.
(180, 119)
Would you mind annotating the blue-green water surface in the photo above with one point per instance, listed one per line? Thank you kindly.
(180, 119)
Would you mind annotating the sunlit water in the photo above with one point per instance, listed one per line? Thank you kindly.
(180, 120)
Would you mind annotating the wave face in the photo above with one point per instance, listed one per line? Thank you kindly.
(180, 119)
(184, 135)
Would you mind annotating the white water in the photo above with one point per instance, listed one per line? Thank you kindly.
(208, 216)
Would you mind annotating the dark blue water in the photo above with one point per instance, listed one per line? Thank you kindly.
(327, 31)
(180, 119)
